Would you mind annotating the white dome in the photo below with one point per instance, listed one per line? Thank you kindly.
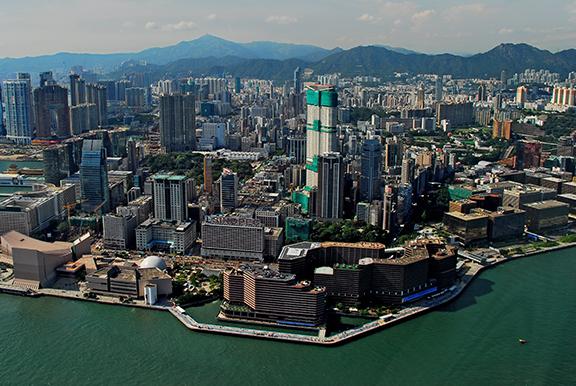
(153, 262)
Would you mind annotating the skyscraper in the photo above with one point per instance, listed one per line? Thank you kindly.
(407, 173)
(172, 193)
(297, 80)
(46, 79)
(16, 96)
(521, 95)
(228, 190)
(420, 97)
(330, 186)
(208, 174)
(52, 112)
(94, 177)
(371, 170)
(96, 95)
(394, 152)
(481, 95)
(321, 120)
(77, 90)
(177, 122)
(439, 88)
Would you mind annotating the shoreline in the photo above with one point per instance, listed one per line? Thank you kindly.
(340, 338)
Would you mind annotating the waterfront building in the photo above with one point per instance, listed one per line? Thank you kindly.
(94, 177)
(258, 293)
(123, 281)
(34, 261)
(16, 95)
(178, 122)
(545, 215)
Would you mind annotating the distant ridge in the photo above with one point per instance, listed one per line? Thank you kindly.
(211, 55)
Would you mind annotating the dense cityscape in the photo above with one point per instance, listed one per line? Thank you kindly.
(290, 194)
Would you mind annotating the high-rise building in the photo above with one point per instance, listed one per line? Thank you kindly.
(228, 190)
(321, 120)
(330, 186)
(52, 112)
(420, 97)
(393, 152)
(457, 114)
(208, 181)
(132, 155)
(94, 177)
(481, 95)
(83, 118)
(528, 154)
(371, 170)
(77, 90)
(297, 80)
(135, 97)
(96, 94)
(16, 95)
(439, 89)
(46, 79)
(56, 161)
(177, 122)
(521, 95)
(407, 169)
(172, 193)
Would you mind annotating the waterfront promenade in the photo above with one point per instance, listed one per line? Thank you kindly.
(473, 269)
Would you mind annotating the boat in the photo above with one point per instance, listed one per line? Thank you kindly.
(522, 341)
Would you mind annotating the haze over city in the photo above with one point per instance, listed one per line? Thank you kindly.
(107, 26)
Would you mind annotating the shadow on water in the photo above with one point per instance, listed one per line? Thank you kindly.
(469, 297)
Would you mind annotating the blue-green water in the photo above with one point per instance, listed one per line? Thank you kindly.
(5, 164)
(473, 341)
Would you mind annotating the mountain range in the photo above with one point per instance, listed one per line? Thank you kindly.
(211, 55)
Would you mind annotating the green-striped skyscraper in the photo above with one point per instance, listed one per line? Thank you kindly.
(321, 120)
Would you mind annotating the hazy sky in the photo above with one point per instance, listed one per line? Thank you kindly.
(33, 27)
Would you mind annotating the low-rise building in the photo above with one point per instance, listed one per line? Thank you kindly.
(175, 237)
(468, 227)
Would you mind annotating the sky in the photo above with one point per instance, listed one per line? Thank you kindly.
(35, 27)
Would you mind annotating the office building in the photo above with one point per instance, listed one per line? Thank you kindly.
(321, 120)
(52, 112)
(439, 88)
(228, 191)
(46, 79)
(371, 170)
(172, 193)
(330, 202)
(177, 122)
(213, 136)
(94, 177)
(506, 224)
(16, 95)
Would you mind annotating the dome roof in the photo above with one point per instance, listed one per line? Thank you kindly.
(153, 262)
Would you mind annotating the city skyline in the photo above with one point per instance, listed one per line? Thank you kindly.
(423, 26)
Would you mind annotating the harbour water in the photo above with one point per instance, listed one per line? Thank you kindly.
(471, 341)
